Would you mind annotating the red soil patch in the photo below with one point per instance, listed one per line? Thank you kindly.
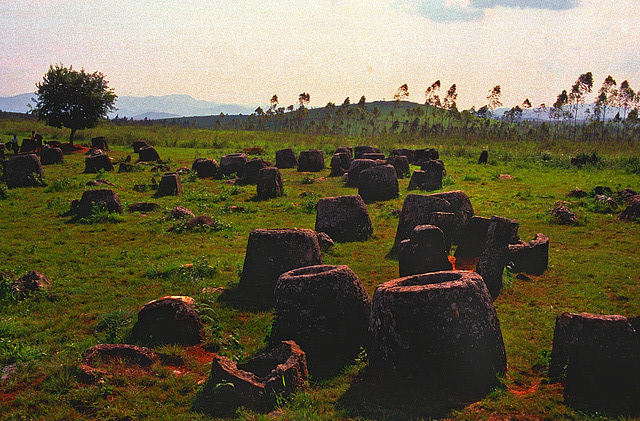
(119, 367)
(67, 148)
(524, 390)
(201, 355)
(9, 396)
(463, 264)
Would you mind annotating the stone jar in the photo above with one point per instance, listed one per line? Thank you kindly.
(439, 329)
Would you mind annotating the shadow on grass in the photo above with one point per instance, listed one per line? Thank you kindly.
(373, 399)
(393, 254)
(240, 299)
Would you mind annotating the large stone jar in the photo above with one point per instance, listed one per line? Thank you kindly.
(439, 329)
(272, 252)
(325, 309)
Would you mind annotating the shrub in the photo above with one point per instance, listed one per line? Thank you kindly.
(63, 184)
(100, 213)
(196, 271)
(584, 158)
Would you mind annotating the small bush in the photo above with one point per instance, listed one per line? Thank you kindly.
(5, 289)
(182, 225)
(99, 213)
(585, 158)
(200, 269)
(309, 201)
(36, 179)
(113, 325)
(631, 164)
(192, 177)
(309, 179)
(63, 184)
(13, 351)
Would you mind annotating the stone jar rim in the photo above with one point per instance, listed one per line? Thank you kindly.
(429, 281)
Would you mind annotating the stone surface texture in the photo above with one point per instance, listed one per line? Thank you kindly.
(438, 329)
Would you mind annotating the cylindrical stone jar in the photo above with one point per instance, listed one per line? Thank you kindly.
(439, 329)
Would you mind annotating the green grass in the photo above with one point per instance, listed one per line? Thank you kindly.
(106, 268)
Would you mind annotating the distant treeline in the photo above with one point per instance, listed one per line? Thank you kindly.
(417, 120)
(613, 115)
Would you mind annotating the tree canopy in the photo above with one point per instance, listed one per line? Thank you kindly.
(73, 99)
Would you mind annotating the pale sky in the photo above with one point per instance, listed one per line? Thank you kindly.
(244, 51)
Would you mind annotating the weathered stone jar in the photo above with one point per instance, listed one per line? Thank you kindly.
(344, 218)
(597, 358)
(439, 329)
(325, 310)
(256, 384)
(270, 253)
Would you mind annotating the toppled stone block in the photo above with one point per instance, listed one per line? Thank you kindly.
(311, 161)
(108, 353)
(205, 167)
(106, 199)
(286, 158)
(269, 183)
(531, 258)
(169, 185)
(23, 171)
(495, 254)
(29, 283)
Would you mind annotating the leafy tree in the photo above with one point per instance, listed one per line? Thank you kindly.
(483, 112)
(625, 98)
(494, 98)
(72, 99)
(304, 99)
(514, 115)
(526, 104)
(605, 99)
(274, 102)
(402, 93)
(450, 100)
(583, 85)
(558, 111)
(431, 93)
(362, 102)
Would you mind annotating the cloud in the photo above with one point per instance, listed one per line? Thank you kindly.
(473, 10)
(441, 10)
(526, 4)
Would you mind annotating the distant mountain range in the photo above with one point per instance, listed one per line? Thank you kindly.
(150, 107)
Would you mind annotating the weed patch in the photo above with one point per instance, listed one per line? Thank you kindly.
(192, 272)
(62, 185)
(309, 201)
(114, 327)
(100, 214)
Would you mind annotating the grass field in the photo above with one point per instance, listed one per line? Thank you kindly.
(106, 268)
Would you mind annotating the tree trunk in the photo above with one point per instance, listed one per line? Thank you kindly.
(73, 132)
